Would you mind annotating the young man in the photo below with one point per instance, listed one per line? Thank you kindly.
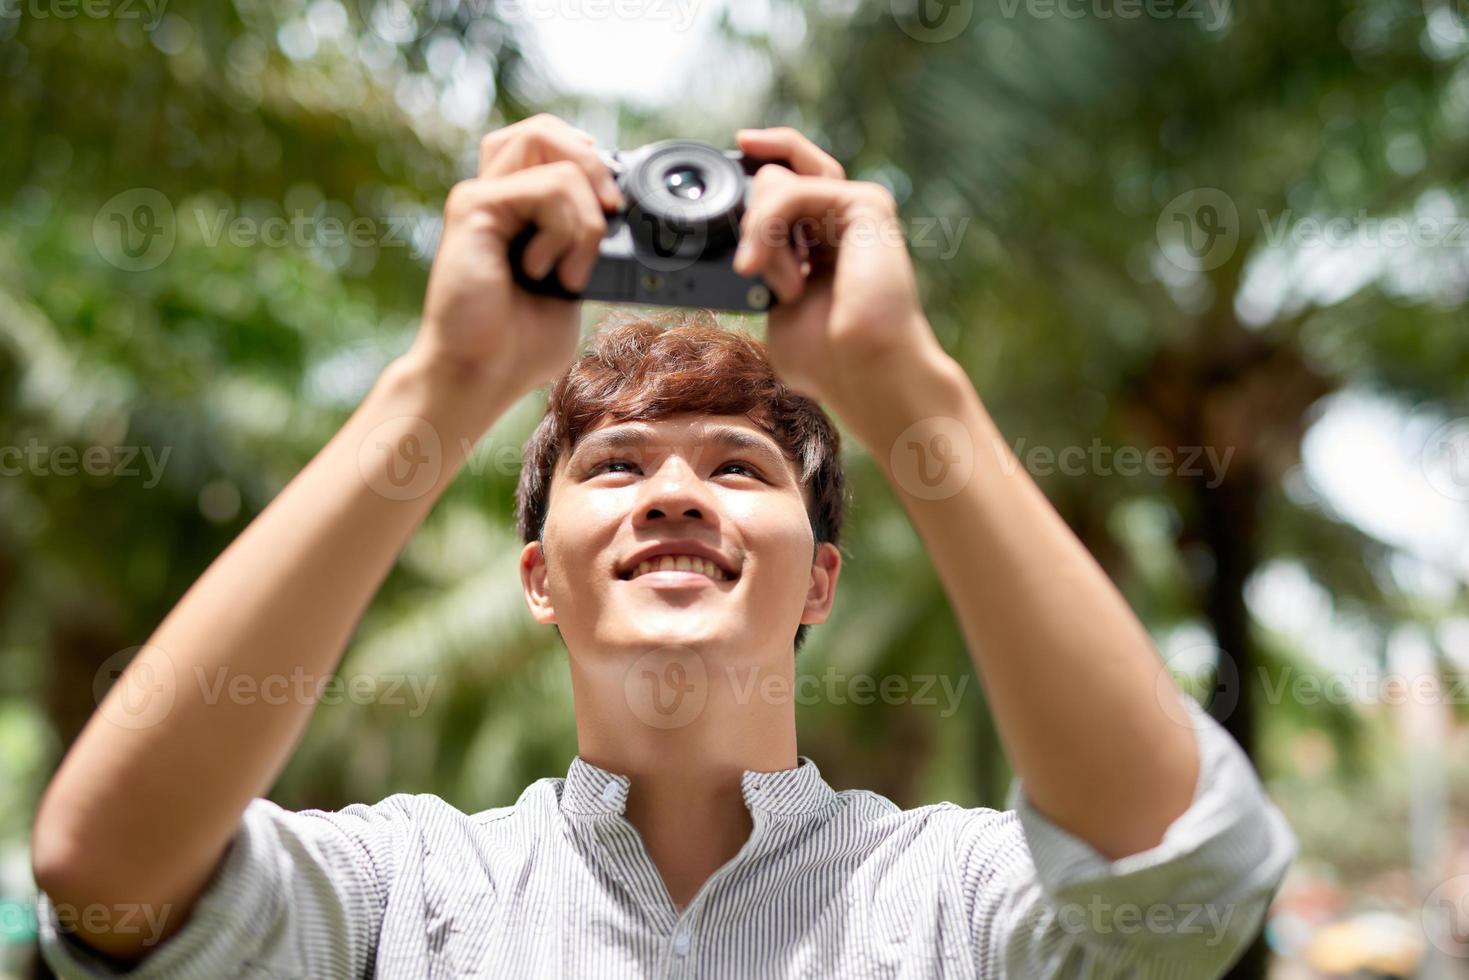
(688, 837)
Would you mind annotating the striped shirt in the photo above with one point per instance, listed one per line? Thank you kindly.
(829, 884)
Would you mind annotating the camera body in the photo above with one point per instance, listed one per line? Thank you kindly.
(673, 243)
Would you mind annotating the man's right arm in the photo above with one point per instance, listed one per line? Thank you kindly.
(146, 802)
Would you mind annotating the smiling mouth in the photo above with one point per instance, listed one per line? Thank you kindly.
(675, 568)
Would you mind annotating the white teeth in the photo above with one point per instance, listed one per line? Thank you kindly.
(680, 563)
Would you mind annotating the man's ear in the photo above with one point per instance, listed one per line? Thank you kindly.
(826, 567)
(533, 582)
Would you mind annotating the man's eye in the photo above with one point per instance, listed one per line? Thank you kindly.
(749, 470)
(606, 466)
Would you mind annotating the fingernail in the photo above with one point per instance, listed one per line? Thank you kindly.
(611, 191)
(742, 256)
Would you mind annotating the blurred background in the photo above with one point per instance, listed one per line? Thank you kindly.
(1205, 261)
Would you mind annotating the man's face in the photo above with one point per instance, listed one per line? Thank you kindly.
(710, 485)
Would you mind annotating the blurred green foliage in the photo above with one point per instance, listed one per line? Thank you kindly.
(1049, 148)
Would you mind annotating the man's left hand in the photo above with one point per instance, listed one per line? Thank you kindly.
(848, 324)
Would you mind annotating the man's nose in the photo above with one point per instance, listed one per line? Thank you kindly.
(675, 490)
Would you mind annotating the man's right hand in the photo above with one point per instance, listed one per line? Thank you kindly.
(284, 598)
(476, 319)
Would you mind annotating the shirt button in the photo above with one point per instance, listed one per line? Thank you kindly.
(609, 794)
(681, 944)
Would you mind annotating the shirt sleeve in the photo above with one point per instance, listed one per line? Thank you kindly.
(1186, 907)
(297, 893)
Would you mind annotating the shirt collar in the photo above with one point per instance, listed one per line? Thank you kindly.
(590, 789)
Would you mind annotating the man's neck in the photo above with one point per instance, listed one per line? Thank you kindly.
(685, 796)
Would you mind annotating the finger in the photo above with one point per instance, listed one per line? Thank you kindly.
(784, 275)
(784, 143)
(513, 143)
(546, 139)
(779, 203)
(557, 199)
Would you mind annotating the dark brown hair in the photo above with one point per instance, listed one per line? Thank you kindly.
(640, 367)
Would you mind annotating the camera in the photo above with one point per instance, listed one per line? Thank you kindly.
(673, 243)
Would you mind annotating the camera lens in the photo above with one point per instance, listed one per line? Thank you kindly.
(685, 182)
(685, 200)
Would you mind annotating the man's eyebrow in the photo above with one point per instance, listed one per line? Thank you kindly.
(723, 436)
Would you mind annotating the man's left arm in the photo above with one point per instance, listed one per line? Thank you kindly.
(1071, 675)
(1098, 732)
(1093, 724)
